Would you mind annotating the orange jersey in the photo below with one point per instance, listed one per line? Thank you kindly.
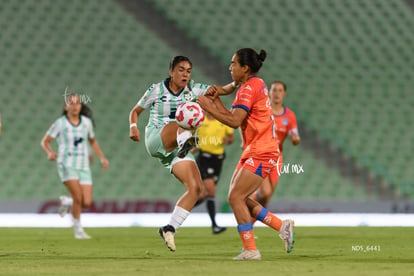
(258, 130)
(285, 125)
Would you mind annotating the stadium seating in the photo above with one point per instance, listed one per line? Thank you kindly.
(94, 49)
(347, 64)
(348, 77)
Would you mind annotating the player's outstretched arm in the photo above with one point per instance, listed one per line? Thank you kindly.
(214, 91)
(228, 88)
(294, 137)
(97, 149)
(221, 113)
(133, 120)
(45, 143)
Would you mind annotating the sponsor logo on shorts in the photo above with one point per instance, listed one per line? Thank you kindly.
(250, 162)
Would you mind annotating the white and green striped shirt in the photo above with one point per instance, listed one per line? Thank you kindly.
(72, 141)
(164, 103)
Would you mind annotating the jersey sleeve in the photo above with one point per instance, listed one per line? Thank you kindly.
(149, 97)
(199, 88)
(90, 131)
(55, 129)
(293, 126)
(244, 98)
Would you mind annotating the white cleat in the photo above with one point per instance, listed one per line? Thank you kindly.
(185, 147)
(286, 234)
(167, 234)
(81, 235)
(248, 255)
(63, 208)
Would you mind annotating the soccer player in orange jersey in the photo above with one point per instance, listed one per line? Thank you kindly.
(286, 125)
(252, 113)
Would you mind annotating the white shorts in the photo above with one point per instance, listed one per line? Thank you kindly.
(69, 173)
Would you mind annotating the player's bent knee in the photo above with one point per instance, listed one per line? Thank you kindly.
(86, 204)
(77, 200)
(234, 199)
(195, 190)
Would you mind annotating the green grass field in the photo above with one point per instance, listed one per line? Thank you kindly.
(140, 251)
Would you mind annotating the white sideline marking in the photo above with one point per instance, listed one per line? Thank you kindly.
(201, 220)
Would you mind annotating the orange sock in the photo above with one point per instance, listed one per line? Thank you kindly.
(269, 219)
(247, 236)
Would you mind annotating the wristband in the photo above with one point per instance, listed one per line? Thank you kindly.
(233, 84)
(132, 125)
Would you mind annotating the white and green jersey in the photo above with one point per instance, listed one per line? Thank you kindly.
(164, 103)
(72, 141)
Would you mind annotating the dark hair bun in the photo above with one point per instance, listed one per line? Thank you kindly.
(262, 55)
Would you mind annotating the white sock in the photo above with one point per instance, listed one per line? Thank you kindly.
(76, 224)
(183, 136)
(178, 217)
(67, 200)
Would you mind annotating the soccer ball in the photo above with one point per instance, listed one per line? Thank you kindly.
(189, 115)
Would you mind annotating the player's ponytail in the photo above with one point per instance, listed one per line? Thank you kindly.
(249, 57)
(86, 111)
(262, 56)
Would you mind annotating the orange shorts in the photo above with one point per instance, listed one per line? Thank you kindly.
(261, 165)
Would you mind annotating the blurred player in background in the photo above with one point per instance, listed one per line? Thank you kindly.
(286, 125)
(72, 131)
(163, 136)
(213, 135)
(251, 111)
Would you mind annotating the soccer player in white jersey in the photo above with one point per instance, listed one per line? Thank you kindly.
(163, 135)
(72, 132)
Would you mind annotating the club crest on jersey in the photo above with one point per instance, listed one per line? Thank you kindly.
(285, 121)
(188, 96)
